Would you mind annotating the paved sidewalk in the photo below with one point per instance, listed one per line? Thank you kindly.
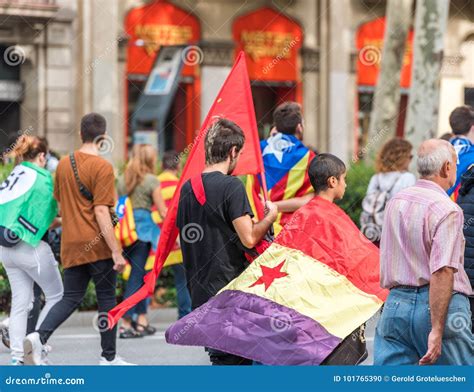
(77, 343)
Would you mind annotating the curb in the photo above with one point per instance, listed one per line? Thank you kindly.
(86, 318)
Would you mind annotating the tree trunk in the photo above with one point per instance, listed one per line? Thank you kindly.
(385, 108)
(431, 20)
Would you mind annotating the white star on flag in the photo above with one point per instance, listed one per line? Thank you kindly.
(277, 145)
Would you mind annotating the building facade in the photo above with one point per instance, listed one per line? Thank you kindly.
(77, 56)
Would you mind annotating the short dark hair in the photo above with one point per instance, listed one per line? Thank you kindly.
(323, 167)
(93, 125)
(170, 160)
(221, 137)
(461, 120)
(287, 116)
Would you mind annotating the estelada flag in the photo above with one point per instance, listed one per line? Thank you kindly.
(295, 303)
(286, 160)
(168, 185)
(125, 230)
(234, 102)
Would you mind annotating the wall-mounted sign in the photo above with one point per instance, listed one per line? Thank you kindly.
(154, 25)
(271, 42)
(369, 43)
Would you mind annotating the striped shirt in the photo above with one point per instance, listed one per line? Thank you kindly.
(422, 232)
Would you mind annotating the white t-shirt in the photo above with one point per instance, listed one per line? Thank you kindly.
(396, 181)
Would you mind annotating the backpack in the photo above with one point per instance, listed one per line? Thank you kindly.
(373, 209)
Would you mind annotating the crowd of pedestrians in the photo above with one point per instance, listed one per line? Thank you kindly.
(424, 228)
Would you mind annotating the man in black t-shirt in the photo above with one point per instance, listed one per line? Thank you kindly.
(212, 234)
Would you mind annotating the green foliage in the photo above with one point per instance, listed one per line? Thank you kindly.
(358, 178)
(5, 171)
(5, 296)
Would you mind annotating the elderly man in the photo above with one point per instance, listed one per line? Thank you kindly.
(426, 318)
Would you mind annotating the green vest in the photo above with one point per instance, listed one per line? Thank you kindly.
(27, 206)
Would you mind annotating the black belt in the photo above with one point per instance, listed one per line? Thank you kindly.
(413, 288)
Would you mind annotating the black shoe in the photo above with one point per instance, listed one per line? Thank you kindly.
(129, 333)
(146, 330)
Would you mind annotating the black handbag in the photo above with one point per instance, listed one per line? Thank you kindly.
(351, 351)
(86, 193)
(54, 241)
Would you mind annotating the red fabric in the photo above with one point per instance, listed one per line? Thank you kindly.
(325, 232)
(198, 189)
(233, 102)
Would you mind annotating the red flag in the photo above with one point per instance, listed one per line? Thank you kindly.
(234, 102)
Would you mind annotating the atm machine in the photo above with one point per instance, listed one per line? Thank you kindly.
(148, 121)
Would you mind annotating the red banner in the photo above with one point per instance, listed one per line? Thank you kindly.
(234, 102)
(369, 42)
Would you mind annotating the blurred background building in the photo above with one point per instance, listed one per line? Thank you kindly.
(60, 59)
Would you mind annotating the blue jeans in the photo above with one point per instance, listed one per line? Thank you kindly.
(182, 292)
(401, 336)
(137, 255)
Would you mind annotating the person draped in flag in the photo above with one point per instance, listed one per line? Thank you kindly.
(461, 121)
(286, 160)
(215, 223)
(27, 210)
(310, 291)
(169, 182)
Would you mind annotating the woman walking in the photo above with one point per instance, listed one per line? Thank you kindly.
(391, 176)
(27, 209)
(139, 182)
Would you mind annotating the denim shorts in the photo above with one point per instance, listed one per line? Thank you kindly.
(147, 230)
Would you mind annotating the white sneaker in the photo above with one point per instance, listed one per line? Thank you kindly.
(117, 361)
(33, 349)
(16, 362)
(44, 355)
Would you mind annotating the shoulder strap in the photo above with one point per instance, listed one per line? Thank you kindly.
(394, 183)
(82, 188)
(197, 186)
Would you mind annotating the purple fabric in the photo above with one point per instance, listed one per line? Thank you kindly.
(255, 328)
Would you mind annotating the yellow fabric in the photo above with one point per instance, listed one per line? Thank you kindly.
(311, 288)
(296, 178)
(126, 234)
(249, 184)
(175, 256)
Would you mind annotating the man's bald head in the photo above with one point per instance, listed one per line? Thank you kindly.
(432, 155)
